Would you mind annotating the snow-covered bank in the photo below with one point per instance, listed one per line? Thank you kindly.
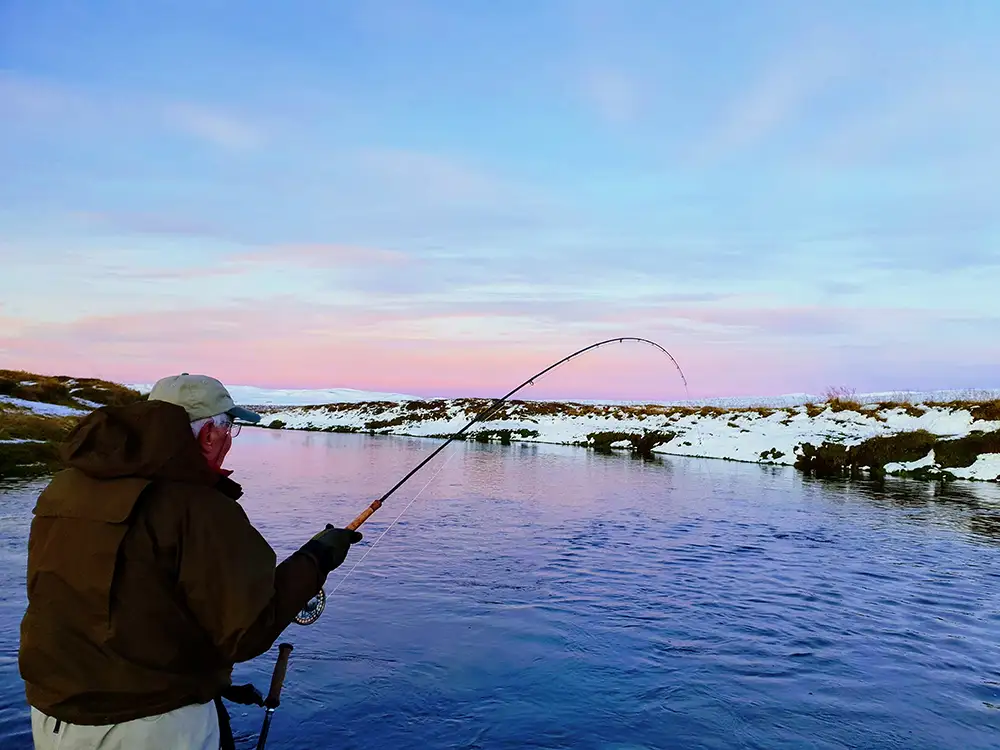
(38, 411)
(44, 409)
(947, 434)
(792, 435)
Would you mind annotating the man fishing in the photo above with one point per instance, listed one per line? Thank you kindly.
(146, 580)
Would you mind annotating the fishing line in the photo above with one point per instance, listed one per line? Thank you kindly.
(315, 607)
(395, 520)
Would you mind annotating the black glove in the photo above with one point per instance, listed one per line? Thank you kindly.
(329, 547)
(245, 695)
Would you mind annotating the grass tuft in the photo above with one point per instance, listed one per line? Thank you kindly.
(835, 459)
(962, 452)
(642, 444)
(988, 411)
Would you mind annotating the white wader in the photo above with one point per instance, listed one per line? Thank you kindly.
(193, 727)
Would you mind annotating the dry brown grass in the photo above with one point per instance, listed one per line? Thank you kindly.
(834, 459)
(814, 410)
(642, 444)
(912, 409)
(988, 411)
(382, 424)
(711, 411)
(28, 459)
(32, 387)
(963, 452)
(18, 459)
(842, 404)
(64, 390)
(27, 426)
(841, 398)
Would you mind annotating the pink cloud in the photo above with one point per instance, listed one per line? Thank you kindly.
(294, 345)
(286, 343)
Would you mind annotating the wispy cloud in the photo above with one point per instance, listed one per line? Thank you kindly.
(189, 273)
(429, 176)
(779, 95)
(321, 256)
(213, 126)
(148, 222)
(265, 260)
(37, 100)
(615, 95)
(948, 111)
(24, 97)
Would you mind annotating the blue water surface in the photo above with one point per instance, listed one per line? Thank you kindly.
(546, 597)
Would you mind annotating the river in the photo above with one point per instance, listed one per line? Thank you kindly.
(551, 597)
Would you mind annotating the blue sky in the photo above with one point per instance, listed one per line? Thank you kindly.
(436, 196)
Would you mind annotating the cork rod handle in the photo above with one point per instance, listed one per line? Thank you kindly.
(273, 699)
(364, 515)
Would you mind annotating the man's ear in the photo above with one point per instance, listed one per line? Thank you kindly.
(205, 434)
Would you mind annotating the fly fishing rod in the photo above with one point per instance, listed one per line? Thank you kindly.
(315, 607)
(273, 699)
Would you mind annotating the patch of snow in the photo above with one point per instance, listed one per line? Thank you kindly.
(985, 468)
(88, 404)
(37, 407)
(19, 440)
(920, 463)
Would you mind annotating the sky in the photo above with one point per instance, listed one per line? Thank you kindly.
(441, 198)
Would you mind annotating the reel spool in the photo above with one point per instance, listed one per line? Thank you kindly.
(313, 609)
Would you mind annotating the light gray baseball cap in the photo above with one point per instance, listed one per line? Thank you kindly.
(200, 396)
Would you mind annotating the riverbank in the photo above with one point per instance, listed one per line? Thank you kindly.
(958, 439)
(38, 411)
(939, 440)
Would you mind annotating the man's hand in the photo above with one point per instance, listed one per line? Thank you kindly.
(245, 695)
(330, 546)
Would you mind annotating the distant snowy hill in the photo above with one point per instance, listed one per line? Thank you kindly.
(249, 395)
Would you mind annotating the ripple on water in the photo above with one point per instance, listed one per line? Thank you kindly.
(556, 599)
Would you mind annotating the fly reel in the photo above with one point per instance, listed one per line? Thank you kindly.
(313, 609)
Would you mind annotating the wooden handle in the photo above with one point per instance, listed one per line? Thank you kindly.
(365, 515)
(278, 676)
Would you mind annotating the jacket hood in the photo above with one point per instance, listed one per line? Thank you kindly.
(147, 439)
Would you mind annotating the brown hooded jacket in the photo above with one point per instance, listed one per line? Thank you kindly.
(146, 580)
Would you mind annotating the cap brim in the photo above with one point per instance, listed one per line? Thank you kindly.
(238, 412)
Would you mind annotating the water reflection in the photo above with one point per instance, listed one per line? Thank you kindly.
(548, 596)
(972, 507)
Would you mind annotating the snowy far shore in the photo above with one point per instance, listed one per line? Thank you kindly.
(255, 396)
(940, 434)
(957, 439)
